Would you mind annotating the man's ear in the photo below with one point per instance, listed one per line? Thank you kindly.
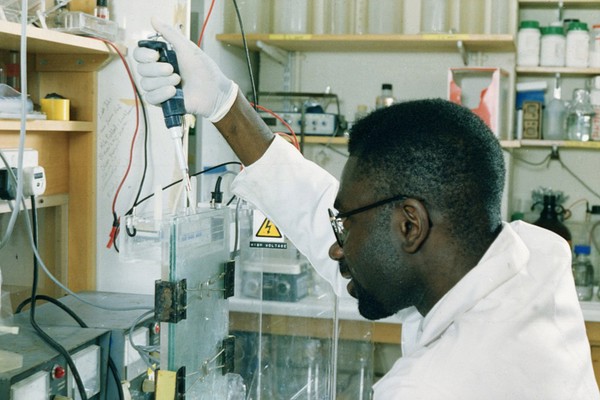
(414, 224)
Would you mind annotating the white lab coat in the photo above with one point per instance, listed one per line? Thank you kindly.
(511, 329)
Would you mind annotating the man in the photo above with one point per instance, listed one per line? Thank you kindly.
(490, 309)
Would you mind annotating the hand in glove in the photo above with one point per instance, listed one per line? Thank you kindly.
(206, 90)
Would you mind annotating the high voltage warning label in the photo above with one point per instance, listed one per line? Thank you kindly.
(266, 234)
(267, 229)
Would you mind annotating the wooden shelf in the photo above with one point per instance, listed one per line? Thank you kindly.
(46, 41)
(557, 70)
(47, 126)
(338, 140)
(373, 43)
(556, 3)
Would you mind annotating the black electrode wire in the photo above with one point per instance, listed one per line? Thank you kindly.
(111, 364)
(247, 52)
(53, 343)
(139, 192)
(179, 181)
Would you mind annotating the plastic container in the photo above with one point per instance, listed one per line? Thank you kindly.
(554, 117)
(255, 16)
(528, 44)
(579, 116)
(385, 16)
(434, 16)
(320, 17)
(552, 46)
(386, 98)
(472, 15)
(594, 55)
(500, 16)
(358, 16)
(79, 23)
(595, 102)
(583, 272)
(339, 17)
(290, 16)
(578, 45)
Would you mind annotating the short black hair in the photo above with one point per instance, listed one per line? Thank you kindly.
(438, 151)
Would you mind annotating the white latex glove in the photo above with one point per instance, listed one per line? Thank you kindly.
(206, 90)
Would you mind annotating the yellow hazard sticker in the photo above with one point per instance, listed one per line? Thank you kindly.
(268, 230)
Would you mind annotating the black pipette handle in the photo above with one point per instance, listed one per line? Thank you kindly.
(174, 108)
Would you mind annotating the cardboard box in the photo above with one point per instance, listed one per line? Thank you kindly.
(532, 120)
(484, 91)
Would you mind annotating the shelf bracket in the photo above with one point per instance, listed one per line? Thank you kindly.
(463, 52)
(280, 56)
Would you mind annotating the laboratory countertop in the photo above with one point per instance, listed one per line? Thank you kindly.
(312, 307)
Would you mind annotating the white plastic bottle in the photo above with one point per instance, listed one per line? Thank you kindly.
(552, 46)
(554, 117)
(578, 45)
(595, 101)
(528, 44)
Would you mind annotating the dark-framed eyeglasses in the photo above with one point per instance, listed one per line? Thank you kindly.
(337, 220)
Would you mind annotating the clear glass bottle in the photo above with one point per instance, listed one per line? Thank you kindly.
(579, 116)
(583, 272)
(386, 98)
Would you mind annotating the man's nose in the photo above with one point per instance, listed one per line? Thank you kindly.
(336, 252)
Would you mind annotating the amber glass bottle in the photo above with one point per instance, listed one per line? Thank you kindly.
(549, 218)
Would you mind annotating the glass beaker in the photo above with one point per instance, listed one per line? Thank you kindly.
(434, 16)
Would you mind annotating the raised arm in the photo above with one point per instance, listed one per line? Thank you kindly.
(207, 92)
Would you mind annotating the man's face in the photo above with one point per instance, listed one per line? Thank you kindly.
(372, 256)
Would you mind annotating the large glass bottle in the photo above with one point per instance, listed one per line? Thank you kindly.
(583, 272)
(579, 116)
(549, 218)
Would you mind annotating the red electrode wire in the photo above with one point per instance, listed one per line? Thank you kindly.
(116, 219)
(212, 4)
(291, 135)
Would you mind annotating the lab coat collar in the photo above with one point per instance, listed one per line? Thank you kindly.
(505, 258)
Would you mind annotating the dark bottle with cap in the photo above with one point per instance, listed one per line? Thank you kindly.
(386, 98)
(101, 10)
(549, 218)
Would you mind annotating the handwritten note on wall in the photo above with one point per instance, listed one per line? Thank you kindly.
(116, 125)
